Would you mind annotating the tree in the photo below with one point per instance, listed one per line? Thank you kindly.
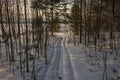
(26, 26)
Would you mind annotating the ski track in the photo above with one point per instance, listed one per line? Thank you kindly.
(59, 66)
(64, 65)
(51, 70)
(68, 73)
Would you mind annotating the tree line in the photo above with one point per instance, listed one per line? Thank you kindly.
(25, 29)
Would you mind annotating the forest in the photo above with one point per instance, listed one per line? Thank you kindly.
(59, 39)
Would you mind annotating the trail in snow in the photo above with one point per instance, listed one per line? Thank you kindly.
(67, 62)
(74, 64)
(79, 66)
(68, 73)
(51, 71)
(59, 67)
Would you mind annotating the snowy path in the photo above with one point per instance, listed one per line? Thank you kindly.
(74, 63)
(68, 73)
(75, 66)
(67, 62)
(51, 71)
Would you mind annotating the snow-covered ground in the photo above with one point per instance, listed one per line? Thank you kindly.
(68, 62)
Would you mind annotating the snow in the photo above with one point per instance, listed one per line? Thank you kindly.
(67, 62)
(51, 70)
(80, 65)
